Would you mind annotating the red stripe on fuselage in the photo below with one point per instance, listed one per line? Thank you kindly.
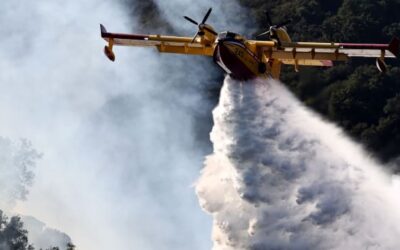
(125, 36)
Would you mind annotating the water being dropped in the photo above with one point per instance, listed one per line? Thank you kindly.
(282, 178)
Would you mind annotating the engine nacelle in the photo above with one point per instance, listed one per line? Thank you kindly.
(109, 53)
(381, 65)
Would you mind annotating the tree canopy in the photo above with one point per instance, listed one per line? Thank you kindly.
(355, 94)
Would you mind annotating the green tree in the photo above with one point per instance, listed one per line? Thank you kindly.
(352, 94)
(12, 233)
(70, 246)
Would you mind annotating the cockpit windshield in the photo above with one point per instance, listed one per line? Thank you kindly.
(227, 35)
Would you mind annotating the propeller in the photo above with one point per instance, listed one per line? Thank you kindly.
(272, 27)
(202, 26)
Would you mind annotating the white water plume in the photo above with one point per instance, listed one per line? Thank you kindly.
(281, 178)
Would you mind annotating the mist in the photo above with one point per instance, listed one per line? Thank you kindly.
(226, 15)
(119, 153)
(282, 178)
(18, 162)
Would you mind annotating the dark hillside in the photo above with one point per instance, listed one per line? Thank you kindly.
(354, 95)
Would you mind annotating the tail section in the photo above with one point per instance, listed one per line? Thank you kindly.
(108, 50)
(103, 30)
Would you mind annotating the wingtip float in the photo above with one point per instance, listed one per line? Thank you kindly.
(245, 59)
(108, 49)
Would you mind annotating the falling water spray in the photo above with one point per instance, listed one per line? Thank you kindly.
(282, 178)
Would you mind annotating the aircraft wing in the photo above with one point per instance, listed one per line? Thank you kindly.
(322, 54)
(166, 44)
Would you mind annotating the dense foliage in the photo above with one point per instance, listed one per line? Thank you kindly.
(353, 94)
(12, 234)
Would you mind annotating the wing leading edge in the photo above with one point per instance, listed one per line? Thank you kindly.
(322, 54)
(166, 44)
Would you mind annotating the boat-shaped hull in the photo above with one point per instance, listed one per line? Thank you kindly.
(237, 60)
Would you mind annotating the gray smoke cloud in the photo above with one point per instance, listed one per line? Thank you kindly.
(119, 150)
(18, 160)
(43, 237)
(281, 178)
(227, 15)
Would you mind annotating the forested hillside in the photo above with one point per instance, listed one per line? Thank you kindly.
(355, 94)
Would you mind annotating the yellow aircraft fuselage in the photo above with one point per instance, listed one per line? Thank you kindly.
(243, 60)
(237, 56)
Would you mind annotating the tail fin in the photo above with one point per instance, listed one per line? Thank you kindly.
(103, 30)
(394, 46)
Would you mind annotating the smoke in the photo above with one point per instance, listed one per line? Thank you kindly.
(119, 152)
(226, 15)
(17, 163)
(43, 237)
(281, 178)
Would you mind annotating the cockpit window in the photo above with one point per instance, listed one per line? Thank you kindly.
(229, 35)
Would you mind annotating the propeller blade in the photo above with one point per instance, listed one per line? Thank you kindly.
(265, 33)
(210, 30)
(191, 20)
(268, 18)
(206, 16)
(194, 38)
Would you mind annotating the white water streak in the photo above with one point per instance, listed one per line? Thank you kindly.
(281, 178)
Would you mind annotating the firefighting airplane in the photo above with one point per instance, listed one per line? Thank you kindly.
(245, 59)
